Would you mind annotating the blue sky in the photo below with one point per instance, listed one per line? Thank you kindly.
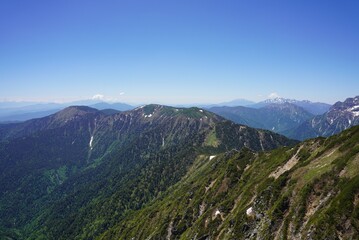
(170, 52)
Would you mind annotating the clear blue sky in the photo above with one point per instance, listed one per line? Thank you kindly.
(178, 51)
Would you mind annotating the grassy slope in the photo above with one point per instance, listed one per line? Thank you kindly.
(318, 197)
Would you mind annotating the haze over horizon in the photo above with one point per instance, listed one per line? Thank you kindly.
(98, 98)
(178, 52)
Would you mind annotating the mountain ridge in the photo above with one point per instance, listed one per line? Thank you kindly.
(95, 164)
(275, 117)
(315, 108)
(340, 116)
(307, 191)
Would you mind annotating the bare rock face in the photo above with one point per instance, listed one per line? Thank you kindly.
(341, 116)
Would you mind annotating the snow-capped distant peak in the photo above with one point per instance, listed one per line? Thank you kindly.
(280, 100)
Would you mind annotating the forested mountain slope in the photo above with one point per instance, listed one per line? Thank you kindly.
(77, 173)
(310, 191)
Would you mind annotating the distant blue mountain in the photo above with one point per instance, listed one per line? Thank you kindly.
(22, 111)
(115, 106)
(315, 108)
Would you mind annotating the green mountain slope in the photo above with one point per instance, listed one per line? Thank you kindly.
(310, 191)
(77, 173)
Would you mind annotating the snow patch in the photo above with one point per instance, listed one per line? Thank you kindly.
(250, 211)
(354, 110)
(140, 107)
(201, 110)
(260, 141)
(217, 212)
(148, 116)
(90, 143)
(211, 157)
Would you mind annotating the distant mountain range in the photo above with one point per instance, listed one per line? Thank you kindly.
(233, 103)
(341, 115)
(297, 119)
(277, 117)
(293, 119)
(315, 108)
(22, 111)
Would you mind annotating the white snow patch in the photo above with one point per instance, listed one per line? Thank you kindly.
(353, 108)
(139, 107)
(148, 116)
(260, 141)
(211, 157)
(217, 212)
(176, 109)
(250, 211)
(90, 143)
(201, 110)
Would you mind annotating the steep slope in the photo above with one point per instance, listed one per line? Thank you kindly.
(340, 116)
(275, 117)
(79, 171)
(309, 191)
(37, 156)
(315, 108)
